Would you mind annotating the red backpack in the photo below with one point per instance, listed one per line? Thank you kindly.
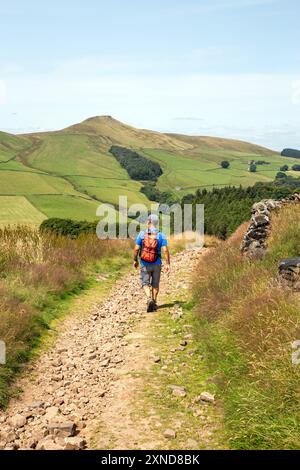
(149, 251)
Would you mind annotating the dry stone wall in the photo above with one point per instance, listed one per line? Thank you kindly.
(254, 243)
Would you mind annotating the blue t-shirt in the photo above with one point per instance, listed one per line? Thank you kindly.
(161, 241)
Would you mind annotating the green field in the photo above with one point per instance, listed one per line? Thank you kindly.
(69, 173)
(72, 207)
(11, 145)
(18, 210)
(187, 173)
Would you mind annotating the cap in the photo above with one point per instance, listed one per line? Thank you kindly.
(153, 219)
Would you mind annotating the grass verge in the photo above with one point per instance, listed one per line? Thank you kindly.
(197, 425)
(245, 323)
(40, 275)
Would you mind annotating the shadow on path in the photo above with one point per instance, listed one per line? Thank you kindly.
(171, 304)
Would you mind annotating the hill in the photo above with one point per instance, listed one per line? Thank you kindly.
(290, 153)
(67, 173)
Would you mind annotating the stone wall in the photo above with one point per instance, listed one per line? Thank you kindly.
(254, 243)
(289, 273)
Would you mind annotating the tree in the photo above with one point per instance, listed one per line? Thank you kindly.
(280, 174)
(284, 168)
(252, 168)
(137, 166)
(225, 164)
(293, 153)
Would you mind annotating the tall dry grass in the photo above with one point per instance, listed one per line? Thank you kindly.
(186, 240)
(246, 323)
(36, 271)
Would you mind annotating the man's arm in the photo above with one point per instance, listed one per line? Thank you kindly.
(166, 253)
(135, 256)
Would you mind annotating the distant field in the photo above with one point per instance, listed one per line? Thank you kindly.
(70, 172)
(74, 155)
(86, 166)
(203, 170)
(18, 210)
(109, 189)
(65, 206)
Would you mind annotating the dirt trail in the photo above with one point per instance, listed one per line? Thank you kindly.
(94, 376)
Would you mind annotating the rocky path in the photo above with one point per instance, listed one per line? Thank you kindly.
(80, 393)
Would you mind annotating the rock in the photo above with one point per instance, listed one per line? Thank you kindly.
(156, 359)
(84, 400)
(18, 421)
(105, 363)
(170, 434)
(62, 350)
(57, 378)
(59, 401)
(258, 207)
(256, 250)
(74, 443)
(8, 436)
(260, 220)
(254, 245)
(67, 429)
(178, 391)
(289, 273)
(32, 443)
(35, 405)
(207, 397)
(48, 444)
(2, 445)
(188, 336)
(290, 263)
(192, 444)
(51, 413)
(256, 234)
(117, 360)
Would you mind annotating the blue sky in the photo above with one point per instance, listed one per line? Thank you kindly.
(226, 68)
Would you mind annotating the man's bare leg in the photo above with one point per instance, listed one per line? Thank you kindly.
(150, 303)
(155, 292)
(147, 290)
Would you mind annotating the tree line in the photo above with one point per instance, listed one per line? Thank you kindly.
(227, 208)
(137, 166)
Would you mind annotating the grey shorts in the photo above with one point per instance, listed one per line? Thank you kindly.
(150, 275)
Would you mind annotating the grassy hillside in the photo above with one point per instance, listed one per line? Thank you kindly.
(245, 324)
(10, 145)
(67, 173)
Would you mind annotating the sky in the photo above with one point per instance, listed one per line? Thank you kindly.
(228, 68)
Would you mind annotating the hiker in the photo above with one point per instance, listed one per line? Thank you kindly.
(150, 244)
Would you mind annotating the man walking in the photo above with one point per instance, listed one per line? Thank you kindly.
(150, 244)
